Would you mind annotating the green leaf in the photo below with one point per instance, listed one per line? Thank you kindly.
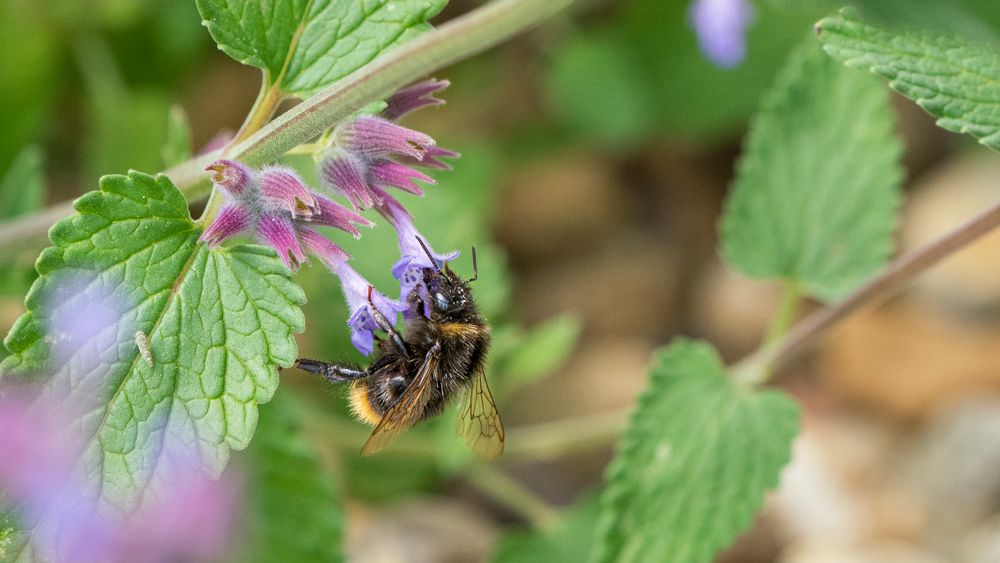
(817, 189)
(295, 508)
(954, 80)
(305, 45)
(540, 351)
(22, 191)
(177, 147)
(599, 88)
(570, 540)
(694, 464)
(23, 187)
(218, 323)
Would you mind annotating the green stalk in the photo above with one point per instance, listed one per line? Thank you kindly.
(453, 41)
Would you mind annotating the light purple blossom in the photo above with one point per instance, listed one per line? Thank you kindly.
(358, 292)
(374, 137)
(413, 259)
(721, 28)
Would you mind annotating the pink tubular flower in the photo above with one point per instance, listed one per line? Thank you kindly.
(271, 203)
(373, 152)
(413, 97)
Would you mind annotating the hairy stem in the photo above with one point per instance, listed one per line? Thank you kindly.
(453, 41)
(890, 282)
(263, 109)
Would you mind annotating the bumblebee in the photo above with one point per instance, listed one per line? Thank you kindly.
(418, 371)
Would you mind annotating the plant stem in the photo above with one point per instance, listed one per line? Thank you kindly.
(890, 282)
(508, 492)
(453, 41)
(783, 317)
(263, 109)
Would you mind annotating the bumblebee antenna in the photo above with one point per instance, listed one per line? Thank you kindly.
(427, 251)
(475, 267)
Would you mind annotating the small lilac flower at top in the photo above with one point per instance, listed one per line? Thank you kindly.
(269, 203)
(373, 151)
(358, 292)
(721, 28)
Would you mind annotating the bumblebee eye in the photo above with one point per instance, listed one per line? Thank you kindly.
(440, 301)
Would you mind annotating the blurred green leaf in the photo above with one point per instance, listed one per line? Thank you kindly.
(540, 351)
(952, 79)
(22, 191)
(218, 324)
(177, 147)
(23, 186)
(295, 512)
(692, 96)
(817, 189)
(598, 87)
(305, 45)
(976, 19)
(694, 464)
(571, 540)
(30, 70)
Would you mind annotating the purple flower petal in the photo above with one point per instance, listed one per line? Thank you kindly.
(322, 248)
(431, 158)
(279, 233)
(332, 214)
(721, 28)
(413, 97)
(362, 322)
(345, 173)
(283, 189)
(231, 176)
(389, 173)
(373, 137)
(230, 221)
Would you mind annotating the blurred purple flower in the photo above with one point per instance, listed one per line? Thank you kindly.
(721, 28)
(193, 521)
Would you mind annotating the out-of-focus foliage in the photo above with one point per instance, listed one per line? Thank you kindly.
(648, 61)
(816, 191)
(570, 540)
(22, 190)
(294, 510)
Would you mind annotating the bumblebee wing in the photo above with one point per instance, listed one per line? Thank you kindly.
(408, 409)
(479, 422)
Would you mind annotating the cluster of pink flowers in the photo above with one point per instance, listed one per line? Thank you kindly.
(369, 155)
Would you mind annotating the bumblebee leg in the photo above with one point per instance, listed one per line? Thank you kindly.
(385, 325)
(336, 373)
